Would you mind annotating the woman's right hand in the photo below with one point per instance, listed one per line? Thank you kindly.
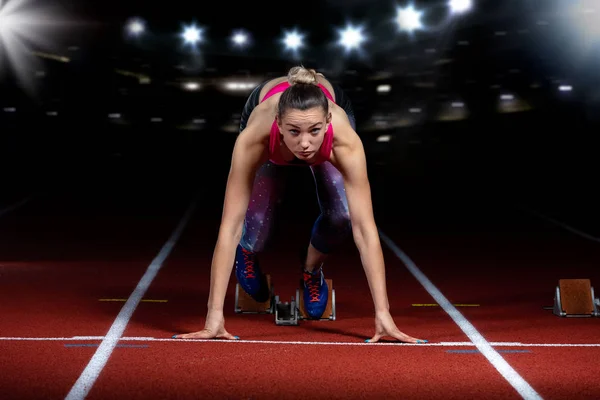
(214, 328)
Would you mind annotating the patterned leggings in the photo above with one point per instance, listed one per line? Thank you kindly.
(331, 227)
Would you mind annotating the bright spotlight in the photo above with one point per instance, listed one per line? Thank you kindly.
(192, 34)
(460, 6)
(240, 38)
(293, 40)
(25, 29)
(191, 86)
(136, 26)
(351, 37)
(408, 18)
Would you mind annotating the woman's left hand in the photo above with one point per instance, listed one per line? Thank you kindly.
(385, 326)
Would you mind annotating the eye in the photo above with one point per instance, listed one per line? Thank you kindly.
(294, 132)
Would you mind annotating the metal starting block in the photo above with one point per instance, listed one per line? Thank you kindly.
(244, 304)
(286, 313)
(575, 298)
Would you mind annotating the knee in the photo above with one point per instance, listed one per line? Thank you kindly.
(340, 221)
(330, 230)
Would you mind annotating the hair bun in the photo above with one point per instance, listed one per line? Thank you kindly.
(300, 74)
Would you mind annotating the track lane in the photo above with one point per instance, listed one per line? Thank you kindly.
(58, 259)
(510, 263)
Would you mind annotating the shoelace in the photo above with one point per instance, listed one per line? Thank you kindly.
(313, 286)
(249, 263)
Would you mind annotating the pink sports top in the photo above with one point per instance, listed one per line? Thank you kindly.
(275, 138)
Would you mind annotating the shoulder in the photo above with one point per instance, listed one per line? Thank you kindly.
(346, 142)
(328, 85)
(264, 113)
(270, 84)
(344, 133)
(259, 124)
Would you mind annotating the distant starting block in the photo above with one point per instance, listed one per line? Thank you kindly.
(244, 304)
(575, 298)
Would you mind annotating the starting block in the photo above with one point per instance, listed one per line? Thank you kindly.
(575, 298)
(244, 304)
(286, 313)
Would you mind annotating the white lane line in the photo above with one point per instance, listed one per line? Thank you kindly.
(560, 224)
(298, 342)
(14, 206)
(91, 372)
(486, 349)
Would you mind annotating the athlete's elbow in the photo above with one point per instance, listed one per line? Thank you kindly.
(365, 234)
(231, 231)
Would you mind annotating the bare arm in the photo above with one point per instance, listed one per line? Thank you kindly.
(351, 160)
(248, 155)
(349, 157)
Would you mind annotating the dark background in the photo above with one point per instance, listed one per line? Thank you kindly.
(536, 148)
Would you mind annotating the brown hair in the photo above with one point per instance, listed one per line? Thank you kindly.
(304, 92)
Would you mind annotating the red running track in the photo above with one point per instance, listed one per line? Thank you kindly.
(55, 270)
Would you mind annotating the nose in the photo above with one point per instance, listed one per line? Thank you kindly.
(305, 143)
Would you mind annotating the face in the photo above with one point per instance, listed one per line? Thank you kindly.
(303, 131)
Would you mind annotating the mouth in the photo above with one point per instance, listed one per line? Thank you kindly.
(305, 153)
